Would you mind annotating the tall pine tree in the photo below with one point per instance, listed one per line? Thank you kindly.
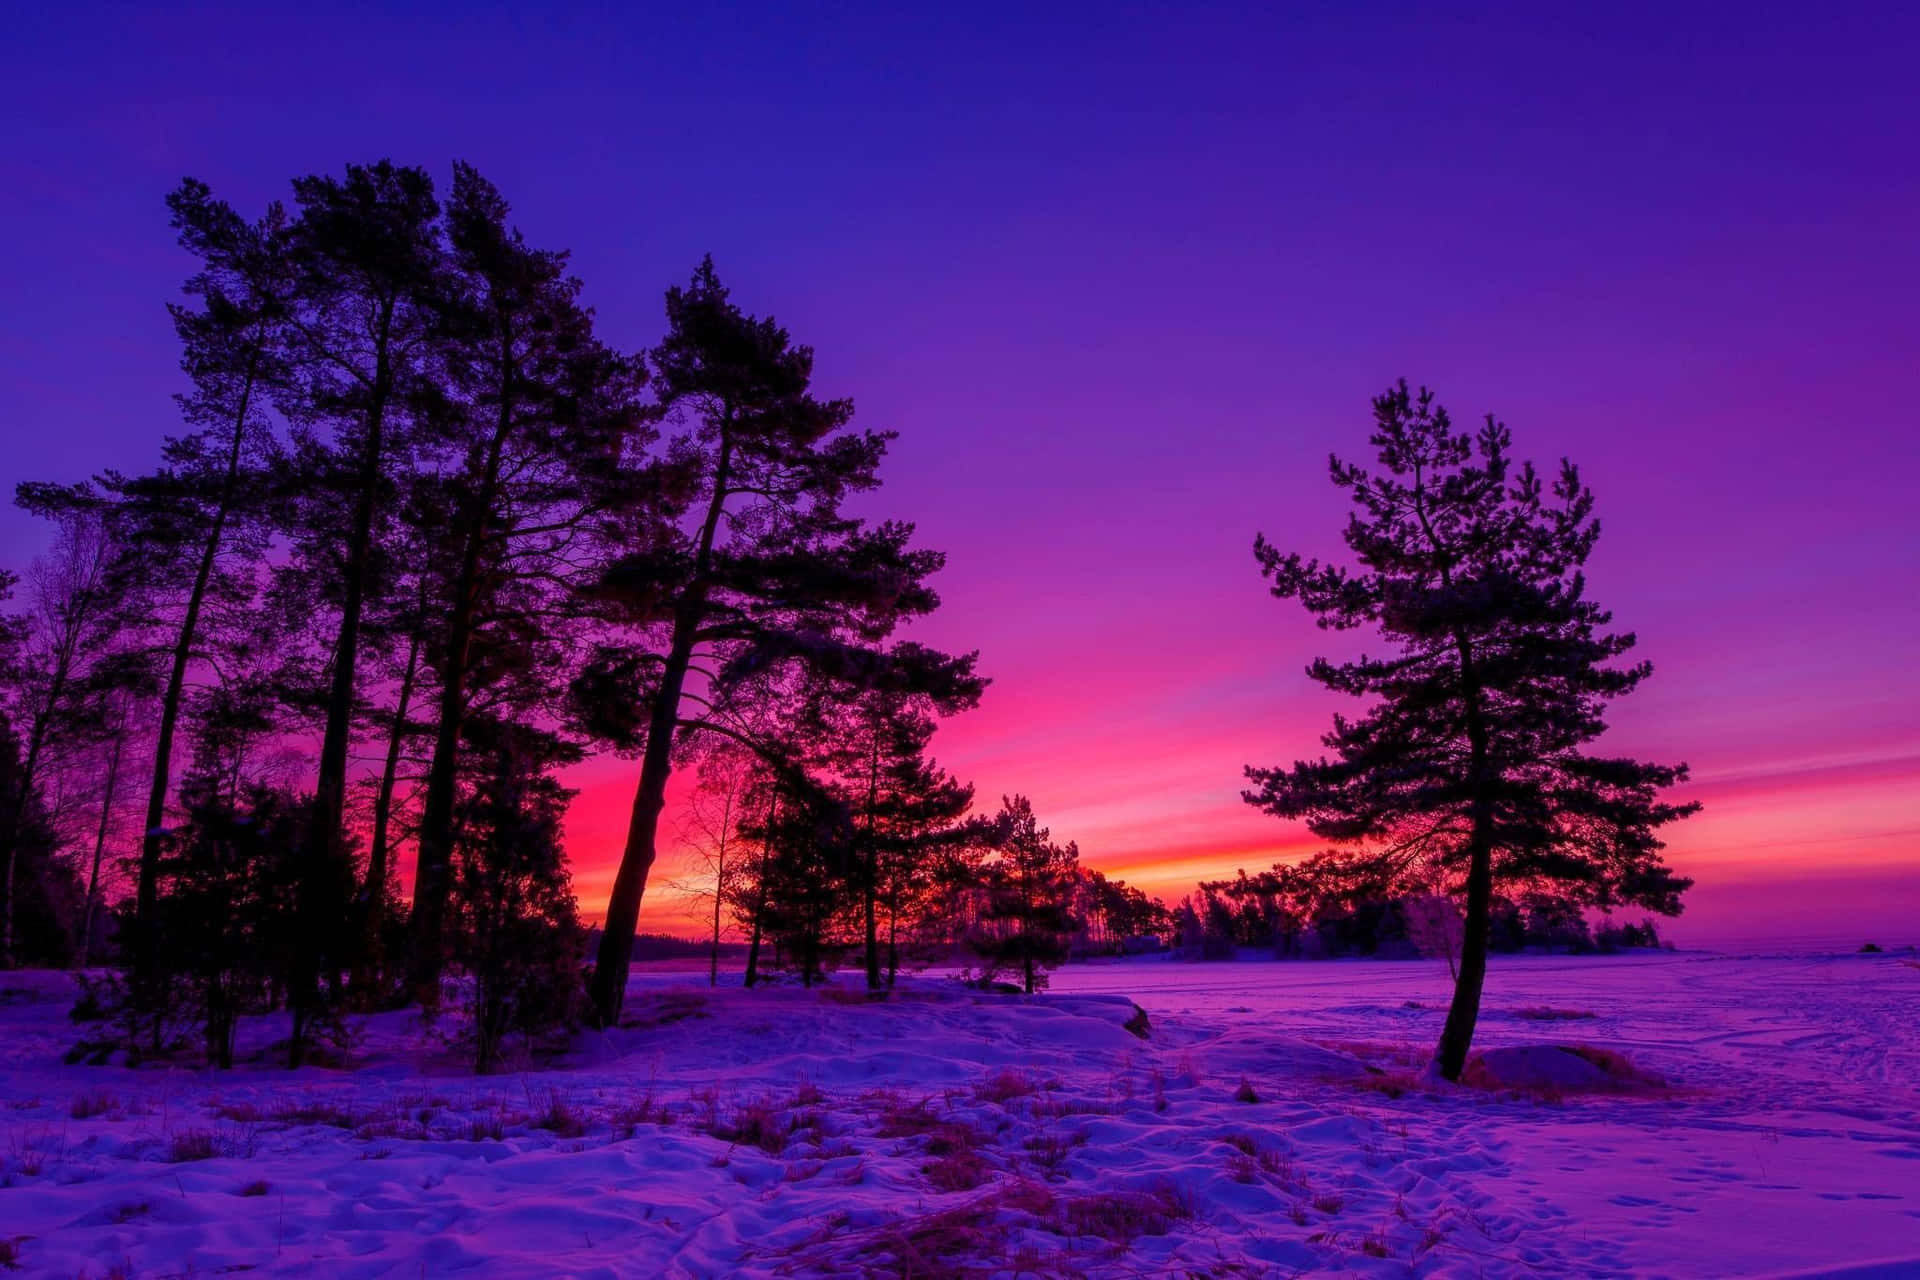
(544, 425)
(1469, 765)
(370, 266)
(190, 534)
(765, 569)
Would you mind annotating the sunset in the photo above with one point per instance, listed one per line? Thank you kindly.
(983, 601)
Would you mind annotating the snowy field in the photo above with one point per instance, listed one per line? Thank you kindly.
(1269, 1124)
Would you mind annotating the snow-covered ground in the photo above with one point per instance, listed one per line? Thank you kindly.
(1269, 1124)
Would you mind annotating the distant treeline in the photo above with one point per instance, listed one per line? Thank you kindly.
(665, 946)
(1309, 911)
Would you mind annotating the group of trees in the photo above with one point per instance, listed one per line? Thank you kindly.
(310, 634)
(424, 540)
(888, 865)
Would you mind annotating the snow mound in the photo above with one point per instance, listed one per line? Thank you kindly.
(1258, 1054)
(1566, 1068)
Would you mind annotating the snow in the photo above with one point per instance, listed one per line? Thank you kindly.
(1274, 1123)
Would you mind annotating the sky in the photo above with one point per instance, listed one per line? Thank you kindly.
(1122, 276)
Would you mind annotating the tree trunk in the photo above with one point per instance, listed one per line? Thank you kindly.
(432, 875)
(615, 958)
(146, 893)
(893, 945)
(713, 958)
(111, 787)
(370, 973)
(608, 987)
(1456, 1038)
(873, 866)
(753, 947)
(326, 842)
(760, 896)
(435, 845)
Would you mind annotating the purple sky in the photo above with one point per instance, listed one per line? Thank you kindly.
(1122, 278)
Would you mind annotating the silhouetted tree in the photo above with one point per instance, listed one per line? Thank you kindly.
(809, 880)
(35, 892)
(717, 813)
(52, 695)
(767, 570)
(369, 264)
(1026, 922)
(1434, 926)
(518, 934)
(123, 689)
(189, 536)
(545, 427)
(1468, 768)
(874, 736)
(412, 625)
(1114, 913)
(918, 849)
(229, 874)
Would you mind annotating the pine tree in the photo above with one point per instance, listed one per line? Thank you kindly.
(32, 886)
(544, 426)
(1027, 920)
(408, 629)
(228, 878)
(809, 879)
(53, 695)
(370, 266)
(766, 570)
(518, 934)
(1469, 768)
(1114, 913)
(189, 535)
(879, 721)
(916, 853)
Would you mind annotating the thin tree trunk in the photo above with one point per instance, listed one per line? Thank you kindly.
(753, 947)
(893, 947)
(435, 843)
(146, 893)
(327, 840)
(719, 882)
(760, 894)
(432, 879)
(371, 970)
(873, 865)
(1027, 924)
(110, 788)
